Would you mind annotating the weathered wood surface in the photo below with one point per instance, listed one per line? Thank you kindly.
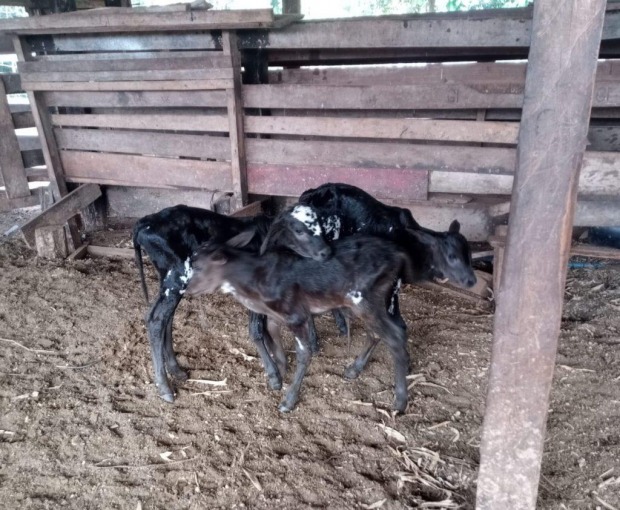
(12, 83)
(51, 242)
(135, 202)
(130, 170)
(62, 211)
(376, 155)
(110, 252)
(44, 129)
(91, 63)
(11, 164)
(8, 204)
(144, 142)
(552, 140)
(385, 97)
(403, 129)
(577, 250)
(103, 86)
(600, 175)
(105, 21)
(204, 75)
(129, 99)
(391, 183)
(234, 106)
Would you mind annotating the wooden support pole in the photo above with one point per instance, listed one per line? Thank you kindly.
(234, 103)
(552, 139)
(51, 242)
(51, 154)
(11, 164)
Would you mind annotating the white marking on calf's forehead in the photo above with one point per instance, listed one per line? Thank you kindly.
(355, 296)
(308, 217)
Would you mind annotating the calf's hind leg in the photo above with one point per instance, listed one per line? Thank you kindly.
(174, 369)
(304, 356)
(261, 338)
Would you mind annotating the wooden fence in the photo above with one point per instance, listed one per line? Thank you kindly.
(165, 107)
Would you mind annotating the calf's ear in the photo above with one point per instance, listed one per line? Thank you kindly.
(242, 239)
(455, 227)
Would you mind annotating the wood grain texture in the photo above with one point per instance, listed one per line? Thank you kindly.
(559, 92)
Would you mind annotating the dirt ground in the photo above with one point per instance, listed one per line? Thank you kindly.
(82, 426)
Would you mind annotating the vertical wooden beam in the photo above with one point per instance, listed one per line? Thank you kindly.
(11, 164)
(51, 154)
(234, 103)
(552, 139)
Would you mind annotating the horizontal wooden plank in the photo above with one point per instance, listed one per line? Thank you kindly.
(210, 75)
(410, 129)
(143, 142)
(127, 85)
(384, 97)
(127, 99)
(487, 160)
(9, 204)
(154, 62)
(577, 250)
(394, 183)
(154, 122)
(136, 202)
(12, 83)
(110, 252)
(62, 211)
(403, 75)
(129, 170)
(600, 175)
(104, 21)
(404, 129)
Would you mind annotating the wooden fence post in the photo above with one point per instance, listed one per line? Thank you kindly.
(234, 102)
(552, 139)
(11, 164)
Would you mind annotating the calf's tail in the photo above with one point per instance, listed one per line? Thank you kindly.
(138, 255)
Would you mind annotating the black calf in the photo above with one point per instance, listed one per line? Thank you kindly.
(289, 289)
(169, 238)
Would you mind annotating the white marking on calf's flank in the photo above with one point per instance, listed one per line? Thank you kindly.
(167, 293)
(355, 296)
(189, 272)
(332, 225)
(300, 345)
(308, 217)
(227, 288)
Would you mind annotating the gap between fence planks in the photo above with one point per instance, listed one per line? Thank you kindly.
(578, 250)
(62, 211)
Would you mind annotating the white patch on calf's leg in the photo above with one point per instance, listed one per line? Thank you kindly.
(189, 272)
(308, 217)
(300, 344)
(355, 296)
(227, 288)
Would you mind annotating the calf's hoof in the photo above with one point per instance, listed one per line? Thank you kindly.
(351, 372)
(400, 405)
(275, 383)
(285, 407)
(168, 397)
